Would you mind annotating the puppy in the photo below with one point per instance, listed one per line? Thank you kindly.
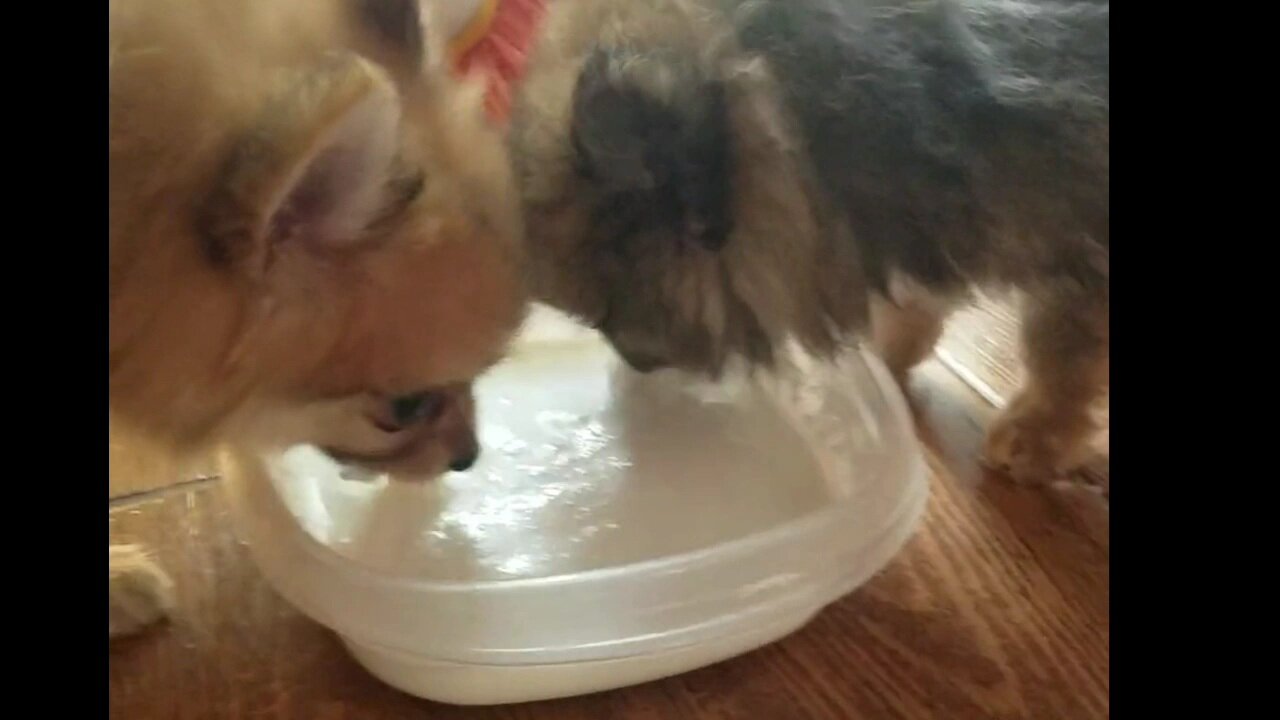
(313, 236)
(704, 179)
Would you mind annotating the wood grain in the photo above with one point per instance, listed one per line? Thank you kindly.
(137, 465)
(996, 609)
(980, 343)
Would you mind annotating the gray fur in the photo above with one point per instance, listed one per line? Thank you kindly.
(954, 142)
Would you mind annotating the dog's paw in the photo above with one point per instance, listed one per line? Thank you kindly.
(1034, 445)
(141, 594)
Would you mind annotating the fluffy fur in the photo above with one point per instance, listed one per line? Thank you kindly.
(704, 179)
(309, 220)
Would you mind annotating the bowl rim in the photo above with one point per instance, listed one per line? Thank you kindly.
(748, 575)
(801, 526)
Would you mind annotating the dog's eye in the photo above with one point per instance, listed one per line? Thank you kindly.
(393, 415)
(409, 409)
(401, 191)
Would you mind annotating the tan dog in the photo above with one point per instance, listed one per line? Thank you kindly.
(313, 237)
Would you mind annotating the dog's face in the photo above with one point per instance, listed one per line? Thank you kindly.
(298, 229)
(417, 435)
(663, 201)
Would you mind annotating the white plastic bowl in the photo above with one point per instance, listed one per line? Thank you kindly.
(617, 529)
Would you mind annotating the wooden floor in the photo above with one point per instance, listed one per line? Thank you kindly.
(996, 609)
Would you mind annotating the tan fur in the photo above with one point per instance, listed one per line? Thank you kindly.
(140, 592)
(223, 325)
(903, 335)
(1046, 431)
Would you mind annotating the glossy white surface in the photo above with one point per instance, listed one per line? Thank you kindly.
(617, 528)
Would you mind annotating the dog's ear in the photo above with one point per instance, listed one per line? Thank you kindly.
(404, 36)
(314, 171)
(652, 135)
(396, 27)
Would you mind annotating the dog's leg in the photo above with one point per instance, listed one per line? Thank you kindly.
(904, 330)
(140, 592)
(1045, 431)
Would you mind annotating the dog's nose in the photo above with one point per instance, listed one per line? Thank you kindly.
(464, 462)
(642, 363)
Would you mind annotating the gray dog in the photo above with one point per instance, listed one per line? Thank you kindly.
(703, 179)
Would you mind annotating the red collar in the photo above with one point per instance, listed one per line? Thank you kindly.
(496, 44)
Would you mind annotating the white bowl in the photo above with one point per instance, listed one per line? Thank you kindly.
(618, 528)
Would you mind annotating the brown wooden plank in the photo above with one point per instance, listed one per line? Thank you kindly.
(996, 609)
(136, 464)
(980, 343)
